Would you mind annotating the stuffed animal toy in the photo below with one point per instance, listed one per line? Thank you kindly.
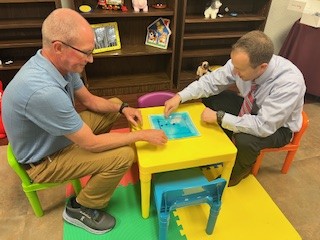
(140, 4)
(203, 68)
(213, 10)
(2, 132)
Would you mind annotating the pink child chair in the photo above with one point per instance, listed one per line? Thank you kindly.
(154, 99)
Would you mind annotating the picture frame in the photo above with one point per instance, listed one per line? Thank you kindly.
(158, 33)
(106, 37)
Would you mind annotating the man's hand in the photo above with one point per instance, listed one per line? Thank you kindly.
(154, 136)
(171, 105)
(209, 116)
(133, 115)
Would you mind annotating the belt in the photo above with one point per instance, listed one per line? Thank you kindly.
(27, 166)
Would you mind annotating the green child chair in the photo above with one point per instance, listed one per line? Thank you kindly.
(31, 188)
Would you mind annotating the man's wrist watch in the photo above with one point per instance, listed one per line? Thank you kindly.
(220, 115)
(123, 105)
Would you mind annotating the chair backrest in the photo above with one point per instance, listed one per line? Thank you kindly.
(154, 99)
(305, 123)
(185, 187)
(15, 165)
(209, 193)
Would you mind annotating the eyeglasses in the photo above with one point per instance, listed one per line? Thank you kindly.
(87, 53)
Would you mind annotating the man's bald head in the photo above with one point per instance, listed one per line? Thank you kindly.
(64, 24)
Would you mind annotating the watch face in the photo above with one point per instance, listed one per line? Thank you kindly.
(220, 115)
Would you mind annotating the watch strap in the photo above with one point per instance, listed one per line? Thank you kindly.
(220, 115)
(123, 105)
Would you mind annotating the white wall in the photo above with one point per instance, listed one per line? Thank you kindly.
(67, 3)
(279, 23)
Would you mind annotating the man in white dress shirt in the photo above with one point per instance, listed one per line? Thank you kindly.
(276, 111)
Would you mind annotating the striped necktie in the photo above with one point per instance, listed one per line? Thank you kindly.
(248, 101)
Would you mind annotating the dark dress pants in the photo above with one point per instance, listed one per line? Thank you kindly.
(248, 146)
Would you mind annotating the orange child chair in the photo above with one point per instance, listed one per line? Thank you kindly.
(291, 147)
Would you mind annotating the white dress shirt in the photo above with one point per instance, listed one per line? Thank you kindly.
(279, 97)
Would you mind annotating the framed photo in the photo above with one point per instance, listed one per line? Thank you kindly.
(158, 33)
(106, 37)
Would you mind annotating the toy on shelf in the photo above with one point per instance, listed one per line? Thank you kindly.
(85, 8)
(140, 4)
(204, 68)
(158, 33)
(112, 5)
(160, 4)
(213, 9)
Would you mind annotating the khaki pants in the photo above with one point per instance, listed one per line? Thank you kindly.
(106, 168)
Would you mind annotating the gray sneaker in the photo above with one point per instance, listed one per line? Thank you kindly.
(93, 220)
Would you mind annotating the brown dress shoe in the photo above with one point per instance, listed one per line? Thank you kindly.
(234, 180)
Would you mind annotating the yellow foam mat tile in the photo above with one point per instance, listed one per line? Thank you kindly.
(178, 223)
(247, 213)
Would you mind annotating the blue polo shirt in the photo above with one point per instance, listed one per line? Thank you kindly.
(38, 109)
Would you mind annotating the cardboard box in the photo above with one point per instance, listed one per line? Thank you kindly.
(311, 14)
(312, 20)
(297, 5)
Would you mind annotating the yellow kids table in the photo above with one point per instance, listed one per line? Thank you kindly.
(211, 146)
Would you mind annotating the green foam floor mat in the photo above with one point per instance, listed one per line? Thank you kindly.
(125, 207)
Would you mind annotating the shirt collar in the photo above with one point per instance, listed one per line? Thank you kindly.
(50, 69)
(266, 75)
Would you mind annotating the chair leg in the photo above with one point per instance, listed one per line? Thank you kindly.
(35, 203)
(163, 227)
(287, 162)
(257, 164)
(76, 186)
(214, 211)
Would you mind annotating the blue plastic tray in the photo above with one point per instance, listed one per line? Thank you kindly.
(177, 125)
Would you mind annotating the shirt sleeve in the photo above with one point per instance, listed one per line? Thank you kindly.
(209, 84)
(274, 112)
(76, 81)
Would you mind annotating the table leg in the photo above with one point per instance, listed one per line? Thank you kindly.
(145, 184)
(227, 169)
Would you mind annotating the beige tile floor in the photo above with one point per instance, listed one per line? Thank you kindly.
(297, 193)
